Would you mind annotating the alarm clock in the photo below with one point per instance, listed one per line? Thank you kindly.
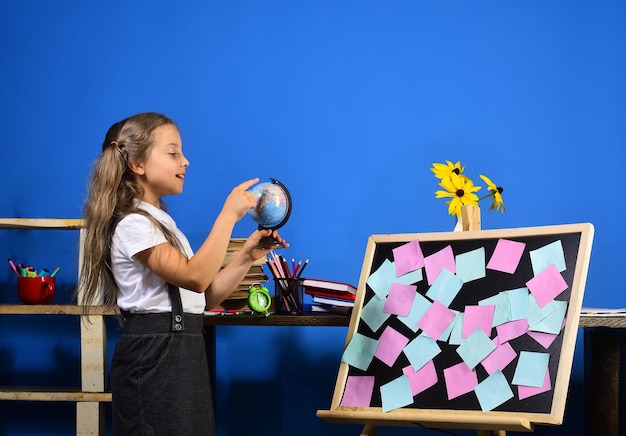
(259, 299)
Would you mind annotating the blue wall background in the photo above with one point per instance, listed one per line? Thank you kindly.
(347, 103)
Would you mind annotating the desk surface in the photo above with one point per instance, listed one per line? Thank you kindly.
(327, 319)
(614, 322)
(306, 319)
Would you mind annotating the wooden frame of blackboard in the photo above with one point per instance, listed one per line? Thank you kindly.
(576, 240)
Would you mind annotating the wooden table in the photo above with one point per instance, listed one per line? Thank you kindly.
(306, 319)
(311, 319)
(604, 345)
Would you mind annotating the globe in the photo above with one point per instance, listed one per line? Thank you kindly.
(272, 210)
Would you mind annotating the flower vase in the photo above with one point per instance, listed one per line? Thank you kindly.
(469, 219)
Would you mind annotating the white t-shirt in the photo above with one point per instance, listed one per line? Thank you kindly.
(141, 290)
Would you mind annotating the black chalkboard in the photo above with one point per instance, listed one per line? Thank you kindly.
(433, 406)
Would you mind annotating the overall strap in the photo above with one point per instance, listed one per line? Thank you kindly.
(178, 320)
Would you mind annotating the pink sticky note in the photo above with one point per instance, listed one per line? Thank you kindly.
(434, 263)
(512, 330)
(499, 358)
(436, 319)
(422, 379)
(459, 380)
(400, 299)
(390, 345)
(544, 339)
(358, 392)
(506, 256)
(408, 257)
(478, 317)
(529, 391)
(546, 285)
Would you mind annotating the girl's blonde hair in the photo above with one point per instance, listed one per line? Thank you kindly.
(111, 196)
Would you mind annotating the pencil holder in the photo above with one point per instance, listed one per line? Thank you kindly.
(35, 290)
(289, 295)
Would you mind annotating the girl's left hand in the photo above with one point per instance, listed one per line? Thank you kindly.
(253, 240)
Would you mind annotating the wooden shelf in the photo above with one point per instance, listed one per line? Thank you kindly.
(53, 309)
(42, 223)
(20, 393)
(88, 399)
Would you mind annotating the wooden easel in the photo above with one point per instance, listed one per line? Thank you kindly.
(575, 240)
(470, 219)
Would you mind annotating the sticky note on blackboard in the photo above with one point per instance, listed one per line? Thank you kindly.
(358, 392)
(506, 256)
(531, 369)
(493, 391)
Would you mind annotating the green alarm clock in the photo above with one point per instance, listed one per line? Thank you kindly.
(259, 299)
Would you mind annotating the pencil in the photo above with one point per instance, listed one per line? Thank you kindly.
(295, 270)
(306, 262)
(286, 271)
(13, 267)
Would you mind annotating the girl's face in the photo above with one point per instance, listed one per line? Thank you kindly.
(163, 171)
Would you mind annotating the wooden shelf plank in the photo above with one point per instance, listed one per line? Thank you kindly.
(42, 223)
(12, 393)
(52, 309)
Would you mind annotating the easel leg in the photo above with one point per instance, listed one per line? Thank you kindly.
(368, 430)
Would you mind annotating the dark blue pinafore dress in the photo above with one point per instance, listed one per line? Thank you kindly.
(160, 376)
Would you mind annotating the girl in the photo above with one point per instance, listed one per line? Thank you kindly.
(135, 257)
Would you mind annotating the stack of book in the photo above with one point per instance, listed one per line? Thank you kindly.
(330, 296)
(238, 300)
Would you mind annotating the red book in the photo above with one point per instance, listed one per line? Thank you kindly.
(329, 285)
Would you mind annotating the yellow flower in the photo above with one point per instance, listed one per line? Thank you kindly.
(495, 192)
(461, 189)
(443, 171)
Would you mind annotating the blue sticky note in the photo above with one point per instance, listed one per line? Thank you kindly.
(396, 394)
(502, 312)
(475, 348)
(372, 313)
(493, 391)
(421, 350)
(547, 255)
(546, 319)
(456, 335)
(531, 369)
(410, 278)
(360, 351)
(445, 288)
(518, 301)
(471, 265)
(380, 280)
(418, 309)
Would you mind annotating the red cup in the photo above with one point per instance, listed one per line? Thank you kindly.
(35, 290)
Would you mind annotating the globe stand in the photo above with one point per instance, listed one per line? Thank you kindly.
(269, 242)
